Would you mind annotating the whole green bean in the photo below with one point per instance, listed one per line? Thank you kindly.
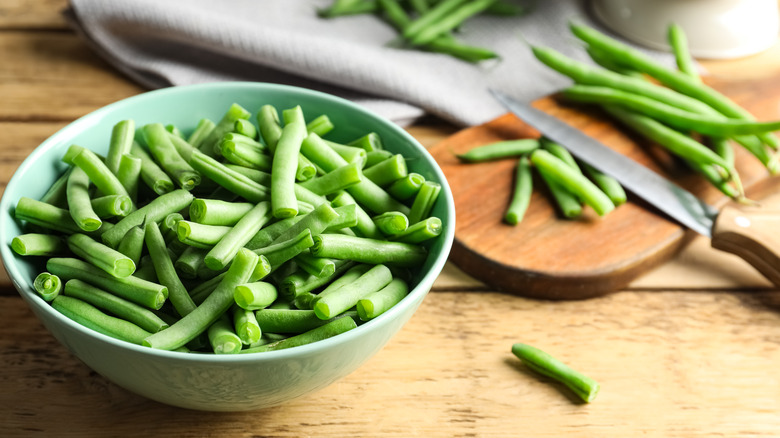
(521, 195)
(450, 21)
(47, 285)
(38, 244)
(567, 203)
(215, 305)
(609, 185)
(117, 306)
(573, 181)
(678, 41)
(500, 149)
(543, 363)
(90, 317)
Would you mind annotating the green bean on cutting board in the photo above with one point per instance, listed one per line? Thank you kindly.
(205, 267)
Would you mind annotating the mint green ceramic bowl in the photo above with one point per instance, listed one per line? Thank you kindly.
(225, 382)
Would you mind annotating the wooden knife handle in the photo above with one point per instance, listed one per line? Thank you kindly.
(754, 236)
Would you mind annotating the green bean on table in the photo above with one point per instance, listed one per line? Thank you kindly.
(543, 363)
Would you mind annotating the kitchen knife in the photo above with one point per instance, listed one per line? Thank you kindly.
(754, 236)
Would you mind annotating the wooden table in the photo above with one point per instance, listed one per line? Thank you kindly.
(690, 349)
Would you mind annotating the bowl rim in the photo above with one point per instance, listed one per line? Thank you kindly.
(88, 120)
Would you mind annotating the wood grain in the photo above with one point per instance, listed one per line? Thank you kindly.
(670, 365)
(549, 257)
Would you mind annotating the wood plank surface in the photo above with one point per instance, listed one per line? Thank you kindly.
(670, 364)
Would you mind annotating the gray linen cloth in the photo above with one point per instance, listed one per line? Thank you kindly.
(179, 42)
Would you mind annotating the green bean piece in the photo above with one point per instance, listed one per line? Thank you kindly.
(38, 244)
(151, 173)
(244, 153)
(174, 130)
(132, 244)
(166, 272)
(391, 223)
(289, 321)
(223, 252)
(201, 132)
(452, 20)
(268, 234)
(145, 270)
(283, 200)
(204, 289)
(406, 187)
(199, 235)
(347, 218)
(369, 142)
(98, 173)
(225, 125)
(117, 306)
(317, 266)
(305, 169)
(573, 181)
(299, 282)
(47, 285)
(352, 154)
(609, 185)
(303, 194)
(305, 301)
(262, 269)
(109, 260)
(347, 7)
(336, 180)
(183, 148)
(122, 135)
(79, 203)
(388, 171)
(521, 195)
(347, 296)
(420, 232)
(680, 119)
(365, 225)
(320, 125)
(329, 330)
(545, 364)
(245, 325)
(129, 174)
(270, 128)
(673, 79)
(382, 300)
(364, 250)
(561, 152)
(375, 157)
(678, 41)
(57, 194)
(230, 179)
(216, 212)
(215, 304)
(90, 317)
(349, 276)
(166, 155)
(223, 337)
(316, 221)
(256, 295)
(112, 206)
(567, 203)
(424, 201)
(154, 211)
(190, 261)
(278, 253)
(45, 215)
(499, 150)
(245, 128)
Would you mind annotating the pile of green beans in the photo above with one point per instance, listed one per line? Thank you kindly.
(570, 183)
(240, 236)
(677, 111)
(429, 24)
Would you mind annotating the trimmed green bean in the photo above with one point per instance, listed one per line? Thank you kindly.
(223, 337)
(246, 326)
(316, 221)
(364, 250)
(317, 266)
(567, 203)
(132, 244)
(347, 296)
(117, 306)
(500, 149)
(47, 285)
(283, 200)
(122, 135)
(289, 321)
(543, 363)
(365, 225)
(215, 304)
(151, 173)
(406, 187)
(216, 212)
(391, 223)
(244, 153)
(333, 328)
(155, 211)
(225, 124)
(239, 235)
(79, 203)
(388, 171)
(166, 272)
(199, 235)
(421, 231)
(45, 215)
(375, 157)
(336, 180)
(245, 128)
(321, 125)
(255, 296)
(521, 195)
(109, 260)
(57, 194)
(278, 253)
(353, 154)
(166, 155)
(183, 148)
(382, 300)
(609, 185)
(202, 131)
(98, 173)
(347, 218)
(111, 206)
(424, 201)
(38, 244)
(129, 174)
(270, 128)
(90, 317)
(229, 178)
(298, 283)
(678, 41)
(369, 142)
(573, 181)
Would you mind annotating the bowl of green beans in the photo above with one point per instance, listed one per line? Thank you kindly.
(226, 246)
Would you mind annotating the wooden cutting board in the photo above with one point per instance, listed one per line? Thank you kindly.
(546, 256)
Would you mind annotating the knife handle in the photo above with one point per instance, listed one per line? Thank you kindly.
(753, 236)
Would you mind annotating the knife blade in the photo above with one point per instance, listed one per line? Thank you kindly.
(749, 235)
(667, 196)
